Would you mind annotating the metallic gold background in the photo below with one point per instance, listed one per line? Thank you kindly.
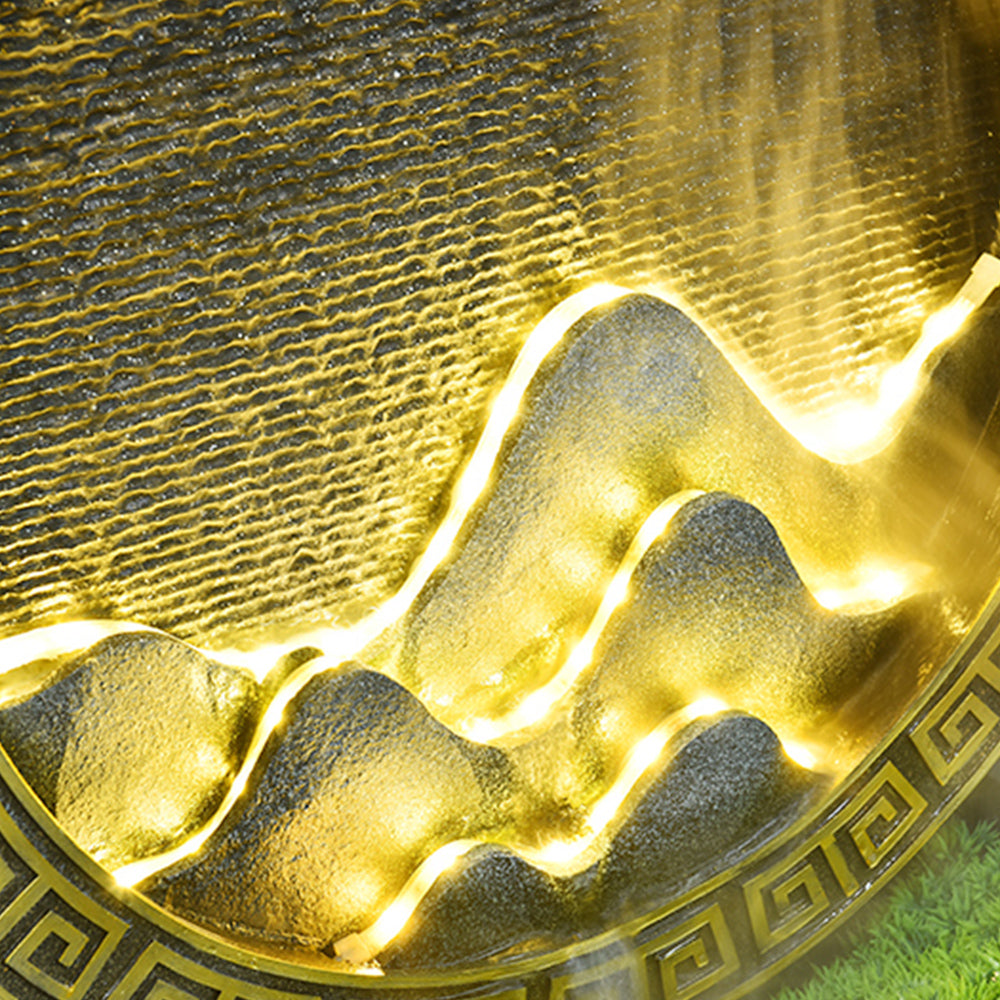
(263, 264)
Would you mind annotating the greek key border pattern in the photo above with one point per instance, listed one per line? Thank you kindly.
(161, 974)
(56, 940)
(61, 942)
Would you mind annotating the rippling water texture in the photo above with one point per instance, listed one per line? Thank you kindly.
(262, 265)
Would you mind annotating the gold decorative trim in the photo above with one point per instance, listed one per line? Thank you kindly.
(693, 956)
(53, 936)
(161, 974)
(620, 975)
(790, 895)
(67, 932)
(951, 734)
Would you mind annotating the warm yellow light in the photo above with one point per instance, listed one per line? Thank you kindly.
(342, 644)
(978, 287)
(872, 587)
(539, 703)
(365, 945)
(135, 872)
(556, 856)
(641, 758)
(901, 382)
(941, 326)
(706, 705)
(858, 430)
(799, 754)
(477, 473)
(644, 754)
(338, 644)
(559, 853)
(851, 434)
(53, 641)
(888, 586)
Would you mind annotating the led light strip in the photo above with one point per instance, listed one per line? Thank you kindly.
(345, 643)
(842, 442)
(558, 857)
(339, 645)
(537, 705)
(860, 431)
(472, 482)
(532, 710)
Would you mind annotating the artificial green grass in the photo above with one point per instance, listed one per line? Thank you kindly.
(934, 934)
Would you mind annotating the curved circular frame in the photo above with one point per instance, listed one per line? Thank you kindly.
(68, 931)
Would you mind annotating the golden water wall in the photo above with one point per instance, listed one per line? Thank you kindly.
(263, 265)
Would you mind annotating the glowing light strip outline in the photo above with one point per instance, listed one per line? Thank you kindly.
(134, 872)
(864, 430)
(561, 857)
(651, 529)
(473, 479)
(470, 485)
(937, 330)
(537, 705)
(70, 637)
(51, 641)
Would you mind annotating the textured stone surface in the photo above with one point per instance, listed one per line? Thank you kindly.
(728, 784)
(135, 746)
(724, 784)
(248, 344)
(492, 901)
(264, 264)
(360, 783)
(636, 406)
(359, 787)
(717, 608)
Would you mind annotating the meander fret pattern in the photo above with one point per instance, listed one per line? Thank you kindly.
(56, 941)
(54, 938)
(65, 942)
(789, 896)
(162, 975)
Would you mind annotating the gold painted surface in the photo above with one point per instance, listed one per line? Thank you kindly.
(331, 863)
(254, 322)
(707, 923)
(158, 959)
(46, 906)
(622, 974)
(945, 738)
(694, 956)
(785, 899)
(263, 270)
